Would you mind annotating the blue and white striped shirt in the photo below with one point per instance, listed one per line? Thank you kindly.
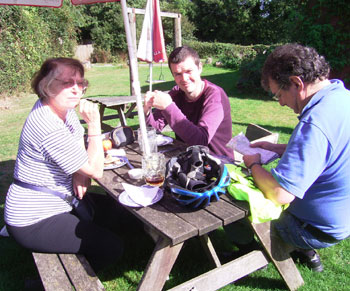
(49, 152)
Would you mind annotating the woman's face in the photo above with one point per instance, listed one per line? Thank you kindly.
(66, 89)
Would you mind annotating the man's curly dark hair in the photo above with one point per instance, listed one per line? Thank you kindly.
(294, 60)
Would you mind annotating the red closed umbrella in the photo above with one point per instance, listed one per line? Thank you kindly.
(151, 45)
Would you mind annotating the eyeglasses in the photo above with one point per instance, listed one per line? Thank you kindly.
(277, 95)
(82, 84)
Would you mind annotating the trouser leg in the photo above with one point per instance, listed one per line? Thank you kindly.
(65, 233)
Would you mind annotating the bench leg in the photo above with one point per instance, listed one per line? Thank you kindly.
(159, 265)
(278, 251)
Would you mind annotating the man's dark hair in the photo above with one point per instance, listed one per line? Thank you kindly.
(294, 60)
(181, 53)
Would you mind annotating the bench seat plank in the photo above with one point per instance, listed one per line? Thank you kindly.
(52, 273)
(80, 272)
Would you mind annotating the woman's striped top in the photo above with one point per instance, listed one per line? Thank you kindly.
(49, 152)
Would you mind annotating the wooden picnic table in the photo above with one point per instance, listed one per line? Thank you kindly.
(118, 103)
(171, 225)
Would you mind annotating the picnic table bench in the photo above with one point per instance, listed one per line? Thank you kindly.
(66, 272)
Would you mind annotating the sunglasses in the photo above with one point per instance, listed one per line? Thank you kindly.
(82, 84)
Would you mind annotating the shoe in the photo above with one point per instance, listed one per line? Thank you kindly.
(308, 257)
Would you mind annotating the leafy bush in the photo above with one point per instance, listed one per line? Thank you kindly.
(28, 36)
(248, 59)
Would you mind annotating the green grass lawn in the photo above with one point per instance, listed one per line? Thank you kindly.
(16, 264)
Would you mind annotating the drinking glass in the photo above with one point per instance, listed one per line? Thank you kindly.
(153, 168)
(151, 137)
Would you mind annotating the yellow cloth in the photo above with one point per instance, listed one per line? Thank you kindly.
(243, 188)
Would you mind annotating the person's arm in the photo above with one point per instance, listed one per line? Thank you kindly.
(277, 148)
(93, 168)
(266, 182)
(201, 132)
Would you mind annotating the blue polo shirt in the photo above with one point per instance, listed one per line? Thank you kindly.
(316, 164)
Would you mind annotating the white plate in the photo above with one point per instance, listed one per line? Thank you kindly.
(119, 163)
(125, 199)
(163, 140)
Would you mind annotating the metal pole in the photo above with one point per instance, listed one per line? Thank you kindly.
(135, 78)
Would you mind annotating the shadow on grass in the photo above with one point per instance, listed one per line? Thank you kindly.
(227, 81)
(6, 178)
(280, 129)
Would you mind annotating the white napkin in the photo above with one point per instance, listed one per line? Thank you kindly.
(241, 144)
(141, 195)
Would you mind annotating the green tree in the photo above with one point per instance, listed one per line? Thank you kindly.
(29, 35)
(324, 25)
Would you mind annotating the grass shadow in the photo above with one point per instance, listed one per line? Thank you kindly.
(6, 178)
(280, 129)
(227, 81)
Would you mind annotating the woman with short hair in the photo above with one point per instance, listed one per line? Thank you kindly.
(52, 157)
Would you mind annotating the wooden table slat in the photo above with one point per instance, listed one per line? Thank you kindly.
(113, 100)
(201, 219)
(225, 211)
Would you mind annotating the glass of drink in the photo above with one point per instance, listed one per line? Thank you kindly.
(151, 138)
(153, 167)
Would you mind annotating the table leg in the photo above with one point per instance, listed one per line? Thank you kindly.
(102, 111)
(130, 110)
(159, 265)
(209, 250)
(121, 115)
(278, 251)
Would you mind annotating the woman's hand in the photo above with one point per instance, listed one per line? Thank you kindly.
(80, 185)
(89, 112)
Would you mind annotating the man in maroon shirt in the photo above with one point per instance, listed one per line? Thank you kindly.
(197, 110)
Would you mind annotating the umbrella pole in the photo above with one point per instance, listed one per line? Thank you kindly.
(135, 76)
(150, 76)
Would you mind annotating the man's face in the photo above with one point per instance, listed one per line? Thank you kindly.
(187, 76)
(289, 97)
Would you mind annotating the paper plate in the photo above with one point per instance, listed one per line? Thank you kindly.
(163, 140)
(125, 199)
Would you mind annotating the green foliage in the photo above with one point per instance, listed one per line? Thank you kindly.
(249, 60)
(324, 25)
(242, 22)
(105, 27)
(250, 71)
(28, 36)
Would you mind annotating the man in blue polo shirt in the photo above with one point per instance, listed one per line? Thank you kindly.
(313, 173)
